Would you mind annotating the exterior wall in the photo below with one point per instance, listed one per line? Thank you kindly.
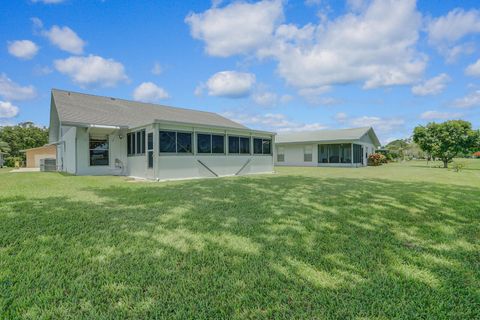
(34, 155)
(184, 166)
(66, 151)
(117, 151)
(137, 165)
(294, 155)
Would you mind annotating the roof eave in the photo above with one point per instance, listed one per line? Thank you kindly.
(212, 126)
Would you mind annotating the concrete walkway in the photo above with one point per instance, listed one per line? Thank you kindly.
(26, 170)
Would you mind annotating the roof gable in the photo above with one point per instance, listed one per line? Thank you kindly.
(73, 107)
(328, 135)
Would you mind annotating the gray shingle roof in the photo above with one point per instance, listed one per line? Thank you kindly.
(76, 107)
(327, 135)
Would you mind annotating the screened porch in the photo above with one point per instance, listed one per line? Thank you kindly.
(340, 153)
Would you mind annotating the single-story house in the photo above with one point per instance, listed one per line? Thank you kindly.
(342, 147)
(34, 155)
(97, 135)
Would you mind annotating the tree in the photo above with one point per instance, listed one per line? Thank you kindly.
(4, 147)
(446, 140)
(397, 148)
(23, 136)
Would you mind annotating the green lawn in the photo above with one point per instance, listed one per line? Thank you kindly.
(397, 241)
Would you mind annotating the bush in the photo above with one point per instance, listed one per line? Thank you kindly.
(458, 166)
(376, 159)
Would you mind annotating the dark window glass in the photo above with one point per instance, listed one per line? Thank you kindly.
(129, 144)
(150, 141)
(150, 159)
(139, 142)
(346, 153)
(323, 154)
(204, 144)
(143, 141)
(184, 142)
(244, 145)
(218, 144)
(167, 141)
(98, 152)
(132, 137)
(357, 153)
(334, 153)
(266, 146)
(233, 145)
(257, 146)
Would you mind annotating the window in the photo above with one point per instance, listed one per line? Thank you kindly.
(346, 153)
(150, 149)
(307, 153)
(204, 143)
(239, 145)
(175, 142)
(136, 143)
(323, 153)
(218, 144)
(280, 154)
(98, 148)
(210, 143)
(262, 146)
(357, 153)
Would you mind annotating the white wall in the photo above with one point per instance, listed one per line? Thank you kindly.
(67, 150)
(294, 155)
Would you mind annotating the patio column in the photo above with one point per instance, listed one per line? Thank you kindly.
(351, 152)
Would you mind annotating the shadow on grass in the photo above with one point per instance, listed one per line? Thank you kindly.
(258, 247)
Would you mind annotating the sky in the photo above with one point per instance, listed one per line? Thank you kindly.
(271, 65)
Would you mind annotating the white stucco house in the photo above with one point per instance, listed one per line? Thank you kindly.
(98, 135)
(342, 147)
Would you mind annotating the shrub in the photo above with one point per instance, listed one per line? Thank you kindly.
(458, 166)
(376, 159)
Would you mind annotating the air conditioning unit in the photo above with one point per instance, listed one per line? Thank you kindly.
(48, 165)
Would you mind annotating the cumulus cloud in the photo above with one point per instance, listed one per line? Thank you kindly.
(92, 70)
(437, 115)
(444, 32)
(272, 121)
(433, 86)
(10, 90)
(230, 84)
(374, 45)
(473, 69)
(238, 28)
(262, 96)
(23, 49)
(469, 101)
(149, 92)
(65, 38)
(8, 110)
(383, 126)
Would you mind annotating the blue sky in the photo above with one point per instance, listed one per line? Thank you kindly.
(273, 65)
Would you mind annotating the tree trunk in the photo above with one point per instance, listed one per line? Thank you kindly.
(445, 163)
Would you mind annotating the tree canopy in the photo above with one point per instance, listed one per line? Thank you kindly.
(22, 136)
(448, 139)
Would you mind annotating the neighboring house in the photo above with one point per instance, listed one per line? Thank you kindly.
(107, 136)
(343, 147)
(34, 155)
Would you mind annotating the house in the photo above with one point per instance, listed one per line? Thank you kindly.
(35, 155)
(343, 147)
(97, 135)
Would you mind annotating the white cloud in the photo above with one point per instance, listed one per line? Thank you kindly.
(470, 100)
(374, 45)
(92, 70)
(265, 98)
(473, 69)
(445, 31)
(230, 84)
(272, 121)
(8, 110)
(453, 26)
(315, 96)
(383, 126)
(433, 86)
(65, 38)
(437, 115)
(48, 1)
(237, 28)
(23, 49)
(157, 69)
(10, 90)
(149, 92)
(39, 70)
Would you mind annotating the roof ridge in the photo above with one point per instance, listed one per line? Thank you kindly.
(134, 101)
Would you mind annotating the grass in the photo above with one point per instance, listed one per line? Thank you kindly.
(397, 241)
